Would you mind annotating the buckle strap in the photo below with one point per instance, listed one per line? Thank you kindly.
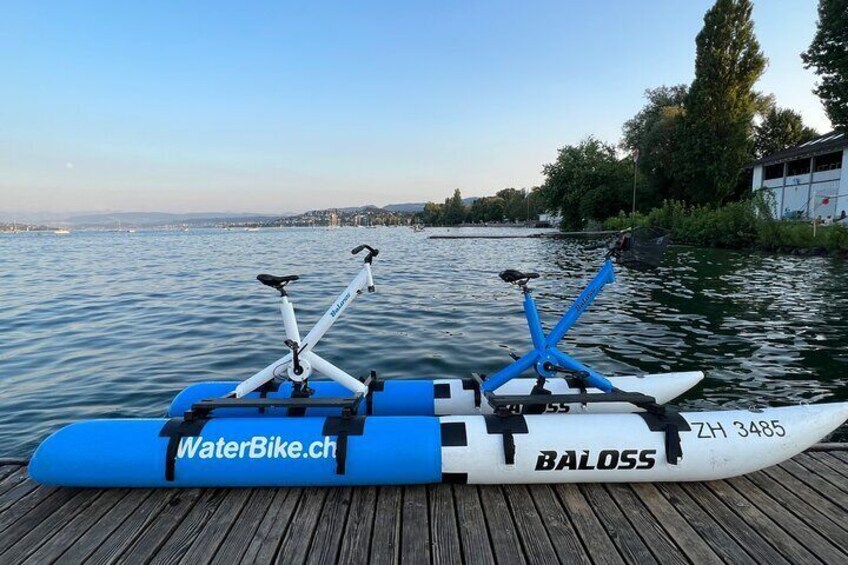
(506, 426)
(342, 427)
(175, 429)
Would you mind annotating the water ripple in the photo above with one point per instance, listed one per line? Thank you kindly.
(113, 325)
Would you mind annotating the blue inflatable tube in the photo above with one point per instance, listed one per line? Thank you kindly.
(241, 452)
(396, 397)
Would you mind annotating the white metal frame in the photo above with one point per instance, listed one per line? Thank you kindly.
(309, 360)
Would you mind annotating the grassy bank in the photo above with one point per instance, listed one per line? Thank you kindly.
(739, 225)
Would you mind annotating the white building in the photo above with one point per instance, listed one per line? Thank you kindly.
(807, 181)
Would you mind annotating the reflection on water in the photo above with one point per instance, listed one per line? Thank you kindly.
(114, 324)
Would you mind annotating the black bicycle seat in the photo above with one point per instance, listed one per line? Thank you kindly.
(512, 276)
(276, 282)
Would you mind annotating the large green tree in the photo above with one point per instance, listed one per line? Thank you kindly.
(586, 182)
(454, 210)
(780, 129)
(828, 53)
(716, 129)
(653, 135)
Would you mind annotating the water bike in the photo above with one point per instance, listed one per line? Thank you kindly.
(286, 440)
(555, 371)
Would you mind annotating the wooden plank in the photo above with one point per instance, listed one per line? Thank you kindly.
(695, 548)
(842, 455)
(18, 476)
(17, 492)
(805, 492)
(356, 541)
(821, 470)
(215, 529)
(595, 538)
(159, 531)
(415, 529)
(71, 531)
(810, 511)
(473, 534)
(298, 538)
(128, 529)
(444, 532)
(656, 538)
(24, 505)
(832, 462)
(740, 530)
(178, 541)
(629, 544)
(560, 532)
(236, 541)
(272, 528)
(701, 520)
(502, 533)
(755, 519)
(808, 537)
(46, 517)
(821, 485)
(6, 470)
(331, 524)
(531, 530)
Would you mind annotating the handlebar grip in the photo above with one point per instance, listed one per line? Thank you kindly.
(371, 251)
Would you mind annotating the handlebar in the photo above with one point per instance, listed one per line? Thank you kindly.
(371, 252)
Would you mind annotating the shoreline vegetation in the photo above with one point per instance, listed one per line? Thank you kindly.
(743, 225)
(685, 155)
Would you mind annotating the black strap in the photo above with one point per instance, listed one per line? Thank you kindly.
(299, 390)
(342, 427)
(175, 429)
(574, 382)
(538, 390)
(374, 385)
(474, 383)
(506, 426)
(269, 386)
(671, 423)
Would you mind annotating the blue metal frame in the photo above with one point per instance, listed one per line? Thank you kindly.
(544, 347)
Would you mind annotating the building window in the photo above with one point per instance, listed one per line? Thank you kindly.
(798, 167)
(828, 161)
(773, 172)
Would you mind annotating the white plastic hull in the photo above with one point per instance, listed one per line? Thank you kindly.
(621, 447)
(664, 387)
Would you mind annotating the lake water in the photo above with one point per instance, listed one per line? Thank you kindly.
(110, 325)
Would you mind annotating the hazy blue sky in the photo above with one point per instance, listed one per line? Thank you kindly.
(272, 107)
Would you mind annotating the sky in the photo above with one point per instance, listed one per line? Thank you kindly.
(275, 107)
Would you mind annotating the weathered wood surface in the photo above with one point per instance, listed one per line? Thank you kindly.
(796, 512)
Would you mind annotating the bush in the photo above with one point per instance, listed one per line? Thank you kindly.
(738, 225)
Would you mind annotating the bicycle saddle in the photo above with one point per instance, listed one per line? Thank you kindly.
(512, 276)
(276, 282)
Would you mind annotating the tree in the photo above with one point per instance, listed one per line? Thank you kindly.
(587, 181)
(828, 53)
(780, 129)
(432, 214)
(454, 210)
(716, 128)
(654, 135)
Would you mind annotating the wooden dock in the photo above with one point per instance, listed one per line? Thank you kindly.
(796, 512)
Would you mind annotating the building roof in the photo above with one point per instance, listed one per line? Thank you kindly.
(826, 143)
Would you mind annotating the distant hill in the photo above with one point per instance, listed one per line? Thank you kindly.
(408, 208)
(162, 218)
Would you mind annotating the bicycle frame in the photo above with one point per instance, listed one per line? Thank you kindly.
(544, 350)
(310, 360)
